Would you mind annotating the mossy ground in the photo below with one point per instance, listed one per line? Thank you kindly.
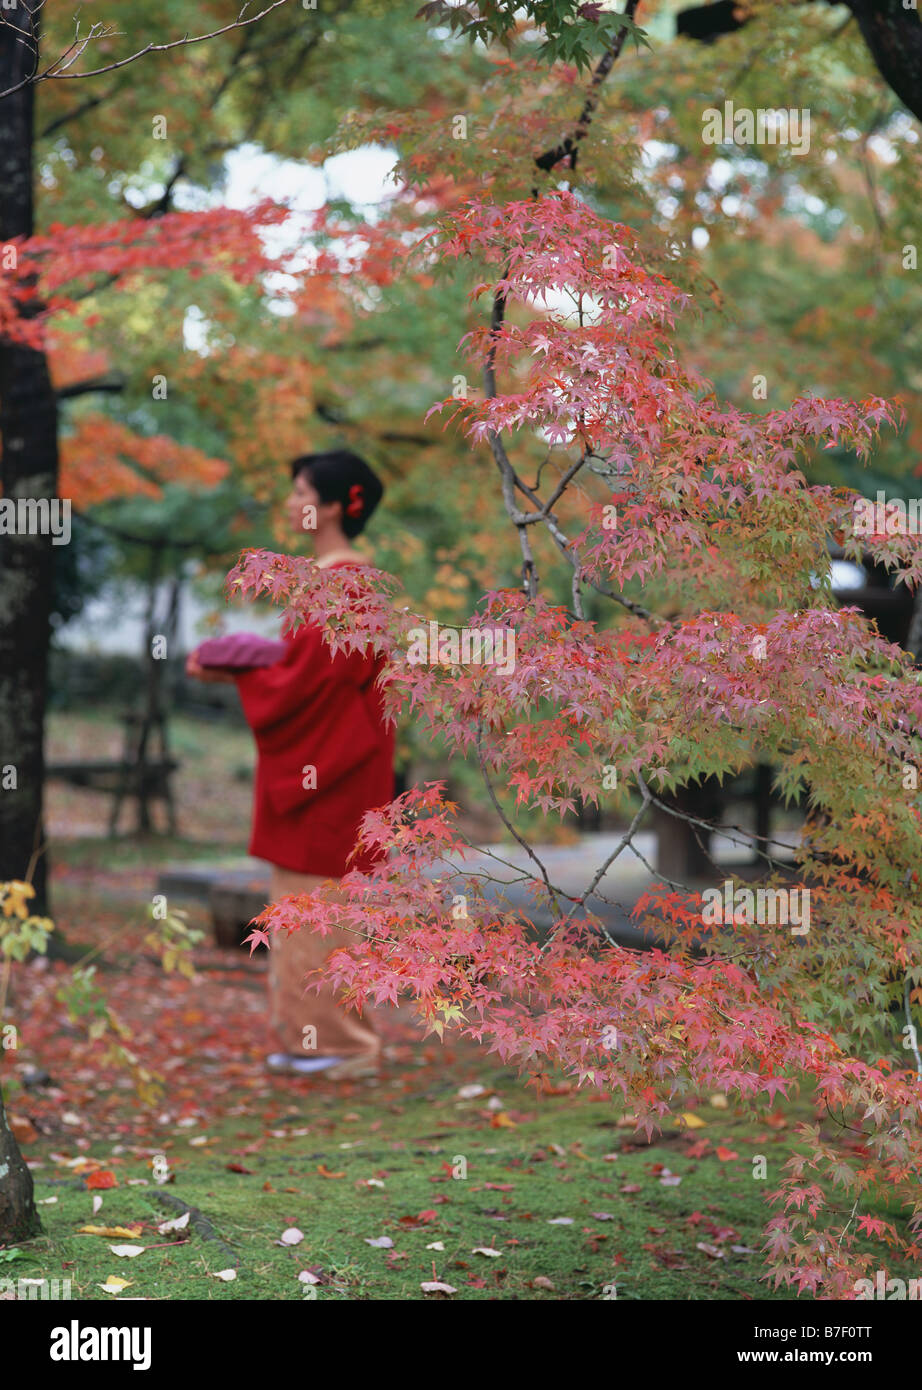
(539, 1159)
(573, 1202)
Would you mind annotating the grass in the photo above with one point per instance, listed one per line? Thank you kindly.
(550, 1160)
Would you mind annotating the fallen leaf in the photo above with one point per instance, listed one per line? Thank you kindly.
(128, 1251)
(725, 1155)
(541, 1281)
(101, 1179)
(307, 1277)
(97, 1204)
(436, 1245)
(602, 1215)
(470, 1092)
(380, 1242)
(486, 1250)
(718, 1101)
(324, 1172)
(131, 1231)
(693, 1121)
(291, 1237)
(433, 1286)
(226, 1274)
(178, 1223)
(24, 1131)
(114, 1285)
(562, 1220)
(711, 1250)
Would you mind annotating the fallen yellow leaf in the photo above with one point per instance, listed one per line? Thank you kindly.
(110, 1230)
(693, 1121)
(115, 1285)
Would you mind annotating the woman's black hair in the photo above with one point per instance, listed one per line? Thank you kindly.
(341, 476)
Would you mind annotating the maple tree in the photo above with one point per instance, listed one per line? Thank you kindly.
(638, 641)
(698, 524)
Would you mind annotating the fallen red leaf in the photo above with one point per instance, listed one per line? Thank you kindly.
(102, 1179)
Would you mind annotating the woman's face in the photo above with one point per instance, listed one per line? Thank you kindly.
(304, 509)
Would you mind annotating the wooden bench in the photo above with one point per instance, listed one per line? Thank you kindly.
(234, 895)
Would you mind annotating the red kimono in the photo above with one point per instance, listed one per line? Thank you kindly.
(312, 710)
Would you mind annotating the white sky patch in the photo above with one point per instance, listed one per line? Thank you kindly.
(362, 177)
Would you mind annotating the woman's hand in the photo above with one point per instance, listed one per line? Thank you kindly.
(206, 673)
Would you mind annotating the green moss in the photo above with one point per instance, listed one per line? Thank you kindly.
(549, 1163)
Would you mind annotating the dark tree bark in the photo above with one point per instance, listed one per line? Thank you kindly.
(18, 1217)
(893, 35)
(29, 469)
(914, 637)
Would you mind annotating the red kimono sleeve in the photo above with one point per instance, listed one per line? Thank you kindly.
(312, 710)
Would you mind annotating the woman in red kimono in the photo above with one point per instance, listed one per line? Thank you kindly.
(317, 719)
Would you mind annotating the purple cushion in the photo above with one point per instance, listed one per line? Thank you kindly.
(239, 650)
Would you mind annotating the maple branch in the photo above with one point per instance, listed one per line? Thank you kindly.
(570, 144)
(603, 868)
(57, 70)
(742, 839)
(511, 481)
(552, 890)
(92, 386)
(89, 105)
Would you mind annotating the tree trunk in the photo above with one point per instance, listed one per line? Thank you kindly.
(28, 435)
(28, 469)
(18, 1217)
(914, 636)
